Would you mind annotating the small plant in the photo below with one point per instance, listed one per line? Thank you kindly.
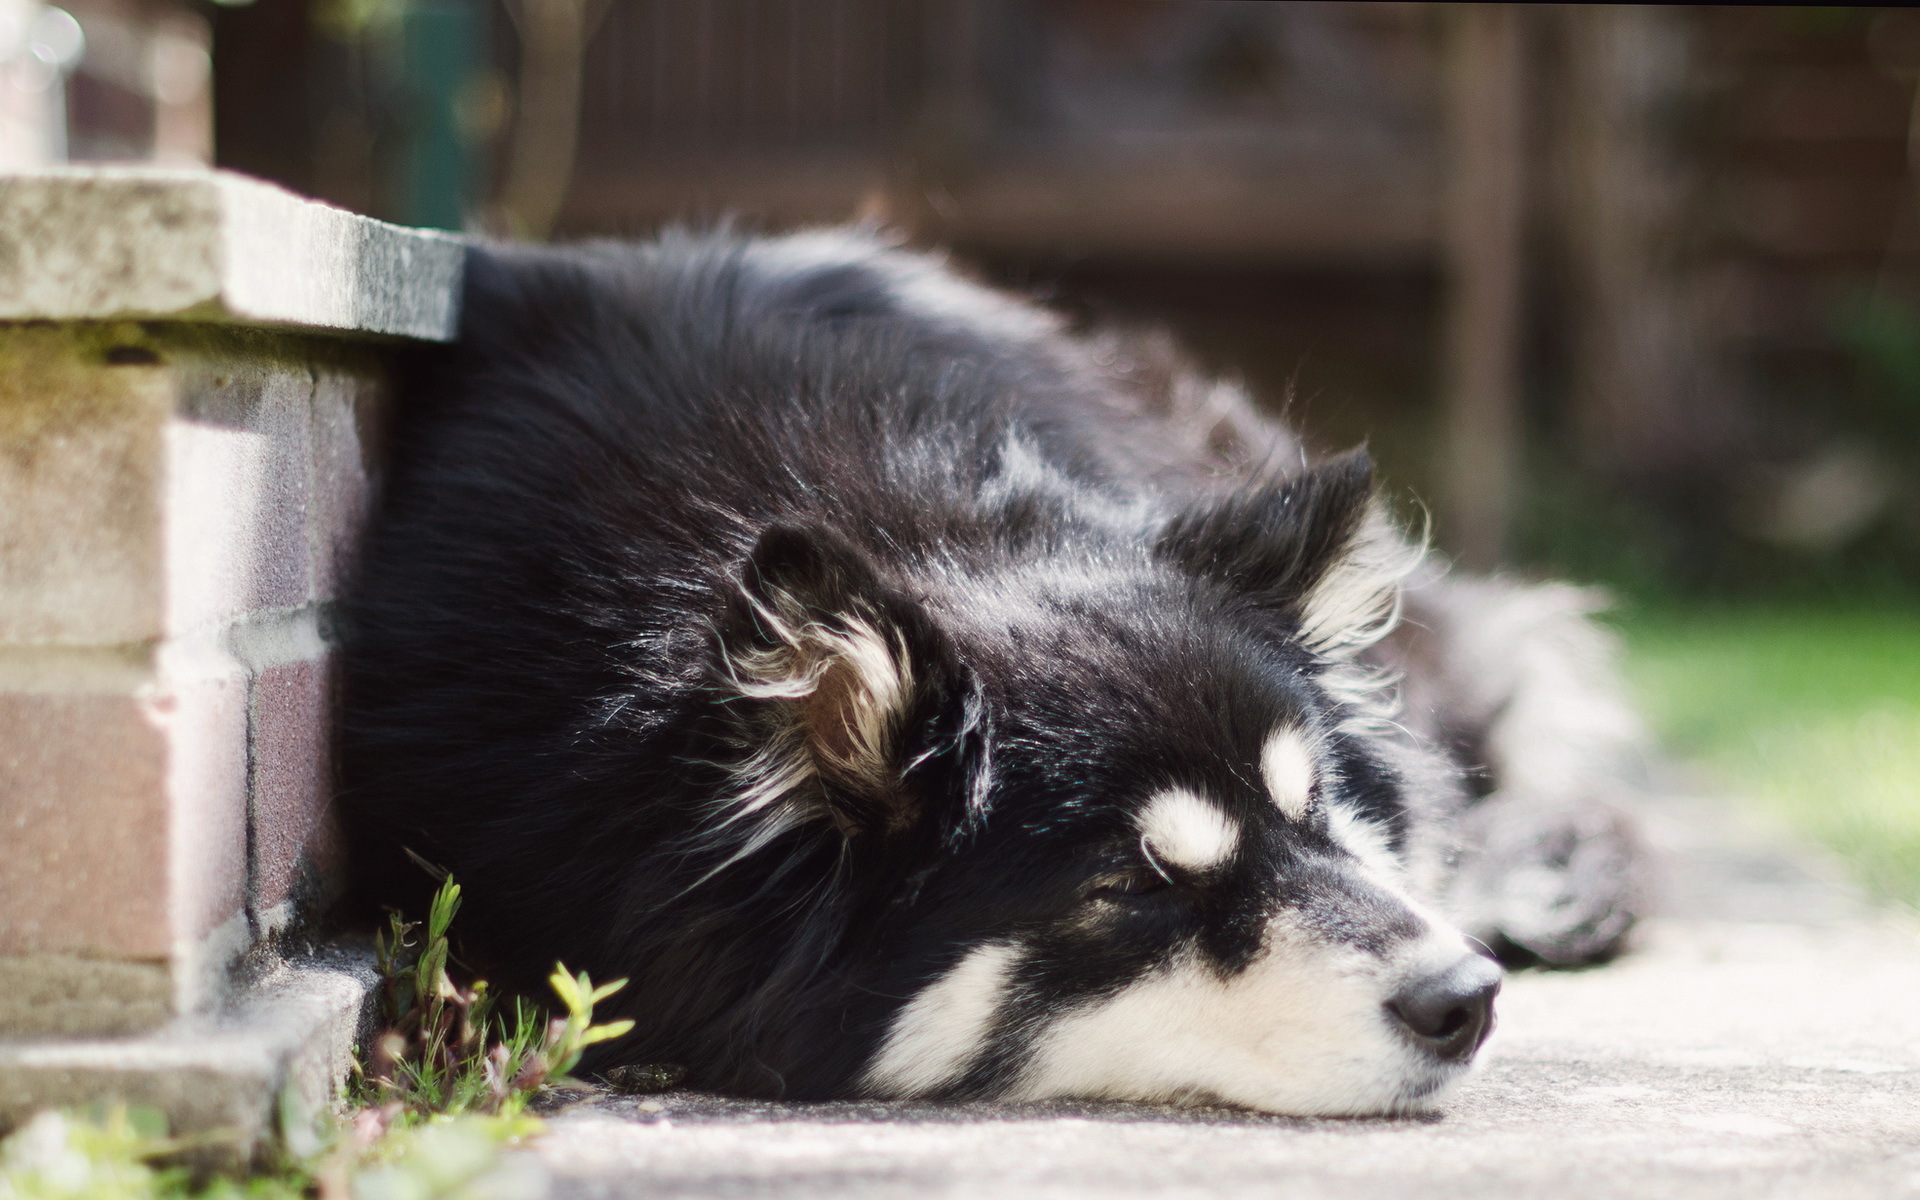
(446, 1051)
(445, 1091)
(108, 1153)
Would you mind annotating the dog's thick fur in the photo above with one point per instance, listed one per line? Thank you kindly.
(915, 699)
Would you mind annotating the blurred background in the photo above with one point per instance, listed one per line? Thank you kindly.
(1624, 294)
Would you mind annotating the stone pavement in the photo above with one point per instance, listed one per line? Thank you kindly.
(1762, 1041)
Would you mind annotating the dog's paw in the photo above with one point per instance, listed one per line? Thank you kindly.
(1559, 883)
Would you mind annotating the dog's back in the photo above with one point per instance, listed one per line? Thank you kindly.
(589, 466)
(583, 474)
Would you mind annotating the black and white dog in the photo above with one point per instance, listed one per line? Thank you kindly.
(918, 700)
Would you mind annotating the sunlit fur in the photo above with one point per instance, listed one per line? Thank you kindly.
(913, 698)
(846, 688)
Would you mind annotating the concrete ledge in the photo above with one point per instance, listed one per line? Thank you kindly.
(289, 1035)
(137, 242)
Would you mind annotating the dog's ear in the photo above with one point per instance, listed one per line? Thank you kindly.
(853, 699)
(1315, 547)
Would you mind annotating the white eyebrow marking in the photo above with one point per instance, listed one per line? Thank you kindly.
(1183, 830)
(1286, 764)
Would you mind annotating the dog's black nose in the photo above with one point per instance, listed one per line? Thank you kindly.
(1451, 1011)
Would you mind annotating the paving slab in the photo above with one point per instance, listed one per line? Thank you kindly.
(1761, 1040)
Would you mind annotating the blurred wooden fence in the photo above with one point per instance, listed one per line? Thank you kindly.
(1635, 217)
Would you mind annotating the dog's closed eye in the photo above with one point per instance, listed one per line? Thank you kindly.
(1128, 885)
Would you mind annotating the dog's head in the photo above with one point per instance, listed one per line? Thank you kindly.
(1116, 820)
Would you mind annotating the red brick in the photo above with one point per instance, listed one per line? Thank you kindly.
(292, 780)
(83, 816)
(347, 434)
(205, 719)
(238, 494)
(80, 510)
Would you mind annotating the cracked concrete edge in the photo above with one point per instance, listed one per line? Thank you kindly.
(100, 243)
(287, 1038)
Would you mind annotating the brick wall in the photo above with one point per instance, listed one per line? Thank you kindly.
(180, 497)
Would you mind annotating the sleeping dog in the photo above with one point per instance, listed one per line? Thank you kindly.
(916, 698)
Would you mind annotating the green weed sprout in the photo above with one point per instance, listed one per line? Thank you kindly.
(444, 1092)
(106, 1154)
(446, 1051)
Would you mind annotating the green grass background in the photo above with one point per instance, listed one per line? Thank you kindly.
(1814, 714)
